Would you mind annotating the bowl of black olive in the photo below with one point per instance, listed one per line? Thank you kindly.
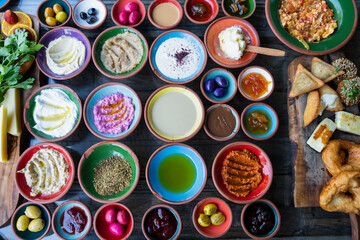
(89, 14)
(260, 219)
(238, 8)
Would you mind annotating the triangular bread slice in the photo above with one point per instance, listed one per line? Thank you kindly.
(304, 82)
(336, 105)
(312, 107)
(323, 70)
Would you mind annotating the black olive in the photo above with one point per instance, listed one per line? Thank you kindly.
(83, 15)
(92, 11)
(92, 20)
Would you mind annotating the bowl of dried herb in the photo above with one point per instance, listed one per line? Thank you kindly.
(108, 172)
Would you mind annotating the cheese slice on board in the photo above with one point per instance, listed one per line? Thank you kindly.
(321, 135)
(3, 134)
(347, 122)
(12, 104)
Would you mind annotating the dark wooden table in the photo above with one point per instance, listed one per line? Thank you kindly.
(296, 222)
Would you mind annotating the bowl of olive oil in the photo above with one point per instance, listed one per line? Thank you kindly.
(176, 173)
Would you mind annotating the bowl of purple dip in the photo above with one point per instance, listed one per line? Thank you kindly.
(112, 111)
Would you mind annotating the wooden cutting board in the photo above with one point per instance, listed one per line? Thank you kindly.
(9, 195)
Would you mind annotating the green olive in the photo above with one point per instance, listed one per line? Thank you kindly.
(217, 218)
(57, 8)
(32, 212)
(204, 220)
(49, 12)
(210, 209)
(51, 21)
(36, 225)
(22, 223)
(61, 17)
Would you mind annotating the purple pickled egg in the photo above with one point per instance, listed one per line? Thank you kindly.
(123, 18)
(210, 85)
(110, 215)
(123, 217)
(221, 81)
(117, 229)
(131, 6)
(134, 17)
(219, 92)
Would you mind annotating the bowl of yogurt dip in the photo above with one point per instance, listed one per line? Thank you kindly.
(66, 53)
(177, 56)
(112, 111)
(53, 112)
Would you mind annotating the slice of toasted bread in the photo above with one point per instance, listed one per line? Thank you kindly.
(304, 82)
(323, 70)
(312, 107)
(333, 106)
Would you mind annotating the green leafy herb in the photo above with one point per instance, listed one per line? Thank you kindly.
(351, 89)
(337, 70)
(14, 51)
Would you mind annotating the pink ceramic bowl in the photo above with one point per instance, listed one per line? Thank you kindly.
(214, 10)
(157, 2)
(119, 6)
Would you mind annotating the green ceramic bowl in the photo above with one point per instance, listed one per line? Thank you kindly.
(29, 110)
(345, 12)
(225, 4)
(50, 3)
(96, 154)
(99, 42)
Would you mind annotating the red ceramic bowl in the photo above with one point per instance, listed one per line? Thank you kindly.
(213, 231)
(119, 6)
(157, 2)
(267, 172)
(20, 181)
(214, 8)
(101, 227)
(212, 44)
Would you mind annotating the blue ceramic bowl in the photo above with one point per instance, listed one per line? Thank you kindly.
(45, 215)
(105, 90)
(56, 220)
(3, 3)
(231, 89)
(269, 111)
(177, 33)
(152, 171)
(54, 34)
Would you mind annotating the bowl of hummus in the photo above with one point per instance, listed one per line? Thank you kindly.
(53, 112)
(112, 111)
(44, 173)
(120, 52)
(66, 54)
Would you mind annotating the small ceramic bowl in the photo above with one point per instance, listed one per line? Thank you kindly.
(50, 3)
(45, 215)
(97, 153)
(225, 5)
(28, 113)
(178, 33)
(83, 6)
(156, 3)
(276, 227)
(172, 210)
(212, 44)
(270, 112)
(112, 32)
(119, 6)
(213, 231)
(214, 10)
(173, 114)
(231, 89)
(265, 73)
(267, 172)
(153, 178)
(237, 125)
(20, 180)
(3, 3)
(57, 33)
(103, 91)
(57, 216)
(101, 227)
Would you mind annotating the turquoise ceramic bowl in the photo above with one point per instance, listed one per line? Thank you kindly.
(50, 3)
(106, 90)
(270, 112)
(152, 174)
(231, 89)
(56, 220)
(45, 215)
(178, 33)
(3, 3)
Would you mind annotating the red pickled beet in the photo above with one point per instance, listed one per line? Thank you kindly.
(110, 215)
(161, 224)
(117, 229)
(134, 17)
(73, 220)
(123, 18)
(123, 217)
(131, 6)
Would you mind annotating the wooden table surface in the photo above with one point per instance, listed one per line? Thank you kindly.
(296, 222)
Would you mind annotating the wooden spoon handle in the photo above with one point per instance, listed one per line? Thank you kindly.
(266, 51)
(354, 220)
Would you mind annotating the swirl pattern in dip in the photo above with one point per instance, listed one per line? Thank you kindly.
(114, 114)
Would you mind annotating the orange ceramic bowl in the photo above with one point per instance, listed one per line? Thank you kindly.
(212, 44)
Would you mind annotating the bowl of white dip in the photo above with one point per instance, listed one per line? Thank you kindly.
(66, 54)
(53, 112)
(177, 56)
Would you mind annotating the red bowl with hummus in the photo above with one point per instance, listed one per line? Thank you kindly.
(30, 161)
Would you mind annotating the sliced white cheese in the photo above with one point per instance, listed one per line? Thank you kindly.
(12, 104)
(3, 134)
(347, 122)
(321, 135)
(327, 100)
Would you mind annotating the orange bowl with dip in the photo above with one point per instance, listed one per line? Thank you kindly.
(165, 14)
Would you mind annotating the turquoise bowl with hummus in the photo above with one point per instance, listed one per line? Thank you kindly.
(112, 111)
(98, 153)
(53, 112)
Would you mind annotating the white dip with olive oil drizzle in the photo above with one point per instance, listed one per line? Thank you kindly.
(54, 112)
